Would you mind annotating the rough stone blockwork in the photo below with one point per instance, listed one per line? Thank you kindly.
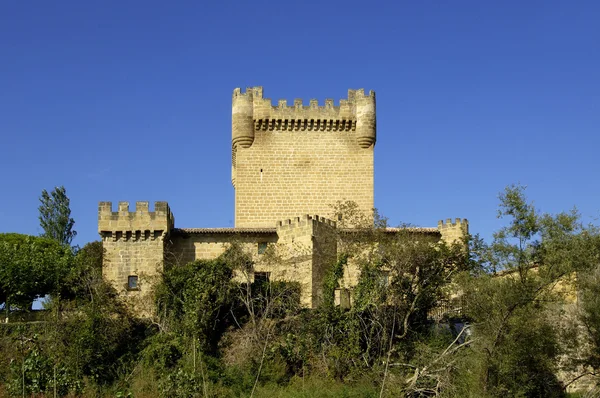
(134, 243)
(300, 159)
(287, 161)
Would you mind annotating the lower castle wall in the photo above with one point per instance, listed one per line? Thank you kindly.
(130, 256)
(301, 249)
(289, 258)
(296, 247)
(205, 246)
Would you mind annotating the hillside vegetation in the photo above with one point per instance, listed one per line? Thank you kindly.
(516, 317)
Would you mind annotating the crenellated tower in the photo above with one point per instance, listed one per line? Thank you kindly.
(453, 231)
(134, 245)
(290, 160)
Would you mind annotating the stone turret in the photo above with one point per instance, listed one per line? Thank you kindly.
(453, 232)
(242, 123)
(134, 245)
(366, 124)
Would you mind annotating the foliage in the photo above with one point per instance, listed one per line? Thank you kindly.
(96, 338)
(84, 278)
(55, 216)
(35, 373)
(194, 299)
(30, 267)
(516, 344)
(220, 332)
(332, 278)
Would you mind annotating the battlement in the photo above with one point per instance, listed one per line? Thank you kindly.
(464, 223)
(264, 109)
(453, 231)
(304, 221)
(139, 223)
(251, 112)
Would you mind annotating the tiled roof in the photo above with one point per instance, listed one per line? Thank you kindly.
(389, 230)
(427, 230)
(224, 230)
(274, 230)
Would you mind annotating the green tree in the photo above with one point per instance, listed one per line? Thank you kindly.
(84, 279)
(55, 216)
(30, 267)
(194, 299)
(516, 339)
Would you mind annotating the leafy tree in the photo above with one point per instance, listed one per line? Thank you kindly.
(30, 267)
(516, 344)
(98, 338)
(195, 298)
(84, 279)
(55, 216)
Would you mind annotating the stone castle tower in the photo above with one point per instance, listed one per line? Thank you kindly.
(293, 160)
(290, 164)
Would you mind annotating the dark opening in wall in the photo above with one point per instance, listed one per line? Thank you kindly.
(262, 277)
(262, 247)
(132, 282)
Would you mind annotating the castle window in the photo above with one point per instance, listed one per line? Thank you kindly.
(262, 247)
(132, 282)
(262, 277)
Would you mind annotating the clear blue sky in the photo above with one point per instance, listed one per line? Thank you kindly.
(132, 101)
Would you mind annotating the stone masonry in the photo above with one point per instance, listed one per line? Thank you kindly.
(133, 244)
(287, 162)
(292, 160)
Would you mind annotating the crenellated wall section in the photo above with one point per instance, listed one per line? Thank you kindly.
(453, 231)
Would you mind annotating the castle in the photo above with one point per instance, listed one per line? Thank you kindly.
(290, 164)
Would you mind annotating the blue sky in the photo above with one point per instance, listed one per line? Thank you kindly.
(132, 101)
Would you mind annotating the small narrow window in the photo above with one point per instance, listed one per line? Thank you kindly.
(262, 247)
(132, 282)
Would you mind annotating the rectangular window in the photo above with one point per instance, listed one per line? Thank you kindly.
(262, 247)
(262, 277)
(132, 282)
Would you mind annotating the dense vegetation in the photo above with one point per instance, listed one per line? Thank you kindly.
(428, 319)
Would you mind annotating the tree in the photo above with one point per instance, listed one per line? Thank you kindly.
(84, 279)
(55, 216)
(515, 312)
(30, 267)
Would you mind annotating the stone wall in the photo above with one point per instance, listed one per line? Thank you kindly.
(189, 245)
(288, 161)
(309, 246)
(134, 245)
